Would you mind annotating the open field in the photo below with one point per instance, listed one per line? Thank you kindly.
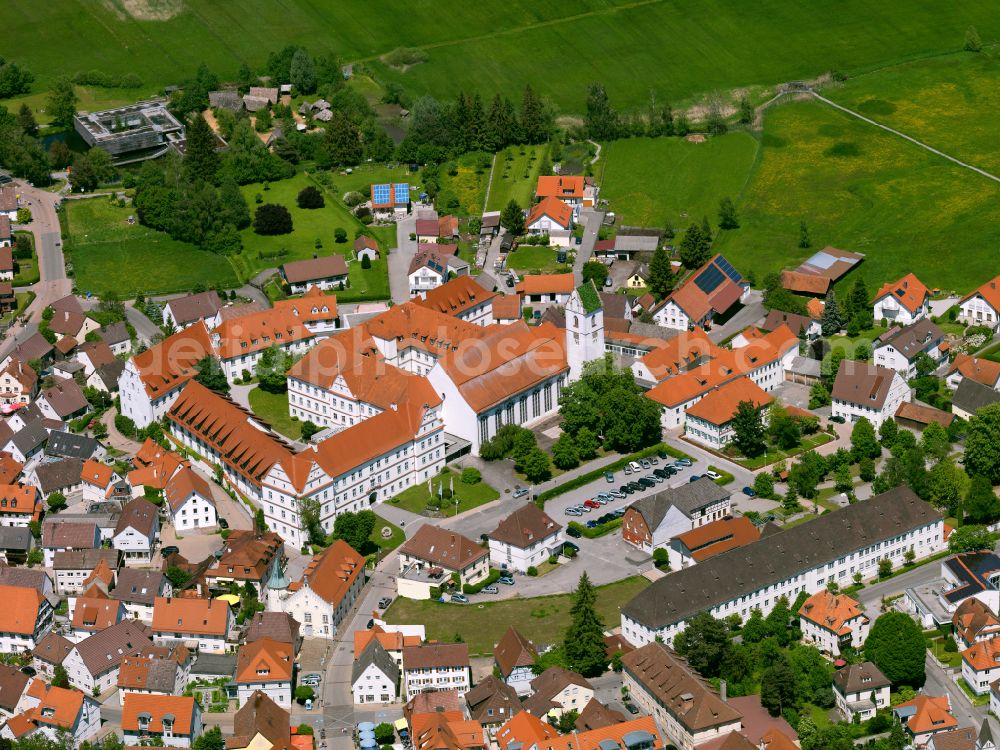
(515, 175)
(860, 188)
(536, 259)
(109, 255)
(632, 46)
(541, 620)
(947, 102)
(273, 409)
(650, 181)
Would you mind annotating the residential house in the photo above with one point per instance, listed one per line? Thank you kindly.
(28, 441)
(63, 401)
(710, 539)
(970, 574)
(527, 730)
(240, 342)
(25, 619)
(202, 624)
(327, 272)
(900, 348)
(974, 622)
(860, 690)
(392, 638)
(316, 309)
(329, 587)
(174, 720)
(54, 713)
(982, 306)
(557, 691)
(461, 298)
(981, 665)
(260, 97)
(709, 292)
(33, 347)
(105, 377)
(595, 715)
(190, 502)
(854, 540)
(92, 612)
(185, 311)
(13, 683)
(390, 198)
(18, 383)
(654, 520)
(710, 421)
(638, 277)
(574, 190)
(20, 504)
(431, 265)
(553, 218)
(62, 476)
(50, 651)
(437, 666)
(15, 545)
(6, 254)
(515, 657)
(116, 336)
(492, 702)
(905, 301)
(970, 397)
(246, 557)
(375, 675)
(93, 354)
(62, 444)
(800, 325)
(138, 589)
(832, 622)
(366, 247)
(265, 665)
(94, 662)
(983, 371)
(10, 468)
(683, 705)
(278, 626)
(924, 716)
(62, 536)
(446, 731)
(157, 671)
(433, 547)
(544, 289)
(963, 738)
(68, 323)
(137, 532)
(525, 539)
(261, 724)
(862, 389)
(97, 479)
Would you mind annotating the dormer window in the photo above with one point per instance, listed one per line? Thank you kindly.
(48, 712)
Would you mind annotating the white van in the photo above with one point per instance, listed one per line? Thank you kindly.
(634, 466)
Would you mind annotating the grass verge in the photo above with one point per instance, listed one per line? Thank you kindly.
(273, 409)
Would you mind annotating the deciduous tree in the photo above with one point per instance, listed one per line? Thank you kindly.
(748, 429)
(211, 375)
(981, 503)
(898, 648)
(864, 444)
(972, 538)
(61, 105)
(982, 444)
(703, 642)
(727, 214)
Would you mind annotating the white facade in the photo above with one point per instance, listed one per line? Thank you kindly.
(924, 541)
(584, 335)
(319, 618)
(437, 678)
(196, 512)
(81, 678)
(849, 706)
(136, 547)
(889, 356)
(87, 723)
(852, 412)
(977, 311)
(233, 367)
(510, 557)
(671, 315)
(17, 643)
(888, 307)
(425, 278)
(280, 691)
(136, 403)
(373, 686)
(827, 640)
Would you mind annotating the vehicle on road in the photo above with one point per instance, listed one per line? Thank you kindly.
(713, 474)
(491, 589)
(570, 545)
(617, 494)
(311, 680)
(573, 532)
(506, 580)
(609, 477)
(223, 523)
(384, 602)
(460, 598)
(169, 550)
(695, 477)
(627, 469)
(520, 492)
(750, 492)
(645, 464)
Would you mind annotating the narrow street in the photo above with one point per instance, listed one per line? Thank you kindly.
(591, 220)
(400, 257)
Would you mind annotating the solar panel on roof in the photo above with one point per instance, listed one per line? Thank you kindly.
(380, 195)
(709, 279)
(402, 190)
(821, 260)
(728, 269)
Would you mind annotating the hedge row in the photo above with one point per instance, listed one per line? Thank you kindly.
(590, 476)
(493, 577)
(596, 531)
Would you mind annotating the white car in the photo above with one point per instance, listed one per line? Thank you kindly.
(713, 474)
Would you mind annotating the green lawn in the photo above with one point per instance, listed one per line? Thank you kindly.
(774, 454)
(541, 619)
(470, 496)
(29, 272)
(650, 181)
(273, 409)
(992, 353)
(387, 544)
(109, 254)
(535, 259)
(947, 102)
(467, 185)
(860, 188)
(515, 176)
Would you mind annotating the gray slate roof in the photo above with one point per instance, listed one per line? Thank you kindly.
(71, 445)
(857, 677)
(85, 559)
(116, 333)
(687, 498)
(214, 664)
(375, 654)
(104, 650)
(913, 339)
(777, 557)
(58, 475)
(30, 437)
(971, 396)
(137, 586)
(110, 373)
(15, 539)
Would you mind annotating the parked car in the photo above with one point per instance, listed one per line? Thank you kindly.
(695, 477)
(838, 419)
(169, 550)
(625, 490)
(654, 460)
(592, 524)
(603, 500)
(628, 469)
(656, 478)
(661, 454)
(605, 495)
(311, 680)
(460, 598)
(632, 708)
(573, 532)
(384, 602)
(571, 512)
(223, 523)
(371, 623)
(683, 462)
(570, 545)
(507, 580)
(662, 473)
(586, 508)
(491, 589)
(647, 482)
(609, 477)
(618, 512)
(713, 475)
(608, 283)
(617, 494)
(645, 464)
(510, 282)
(592, 504)
(635, 467)
(750, 492)
(520, 492)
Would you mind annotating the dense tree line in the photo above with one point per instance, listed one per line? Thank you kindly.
(14, 79)
(20, 152)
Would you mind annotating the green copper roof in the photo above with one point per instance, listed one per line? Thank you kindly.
(589, 296)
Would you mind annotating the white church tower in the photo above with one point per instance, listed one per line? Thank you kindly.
(584, 328)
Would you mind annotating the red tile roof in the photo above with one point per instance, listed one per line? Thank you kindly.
(719, 536)
(560, 186)
(332, 573)
(832, 611)
(990, 291)
(259, 331)
(198, 616)
(456, 296)
(680, 353)
(554, 209)
(20, 611)
(546, 283)
(265, 660)
(982, 371)
(171, 363)
(719, 406)
(909, 291)
(156, 708)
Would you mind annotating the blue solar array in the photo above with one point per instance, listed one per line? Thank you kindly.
(709, 279)
(402, 192)
(380, 195)
(728, 269)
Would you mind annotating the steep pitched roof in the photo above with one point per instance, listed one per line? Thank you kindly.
(246, 555)
(984, 371)
(719, 536)
(862, 383)
(65, 398)
(57, 707)
(524, 527)
(20, 611)
(96, 612)
(719, 406)
(106, 649)
(331, 573)
(714, 287)
(909, 292)
(983, 655)
(375, 654)
(456, 296)
(560, 186)
(183, 485)
(546, 283)
(514, 650)
(831, 611)
(492, 694)
(278, 626)
(430, 655)
(913, 339)
(138, 514)
(201, 616)
(687, 498)
(12, 684)
(261, 716)
(53, 648)
(258, 331)
(194, 307)
(549, 684)
(170, 364)
(554, 209)
(972, 617)
(264, 660)
(926, 713)
(990, 291)
(156, 709)
(447, 549)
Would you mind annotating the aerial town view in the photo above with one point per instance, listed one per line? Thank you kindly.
(499, 376)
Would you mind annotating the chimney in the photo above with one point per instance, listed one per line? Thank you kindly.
(723, 689)
(393, 406)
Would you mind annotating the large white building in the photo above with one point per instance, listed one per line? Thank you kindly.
(807, 557)
(524, 539)
(865, 390)
(435, 667)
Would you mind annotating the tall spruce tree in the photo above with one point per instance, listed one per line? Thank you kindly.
(533, 120)
(584, 641)
(661, 275)
(832, 320)
(201, 160)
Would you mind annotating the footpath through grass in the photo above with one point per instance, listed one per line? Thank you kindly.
(415, 499)
(540, 619)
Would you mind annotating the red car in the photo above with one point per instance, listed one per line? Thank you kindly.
(592, 504)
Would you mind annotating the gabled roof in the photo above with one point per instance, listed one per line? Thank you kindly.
(315, 269)
(908, 292)
(12, 684)
(687, 498)
(69, 534)
(447, 549)
(155, 674)
(33, 347)
(261, 716)
(911, 340)
(53, 648)
(138, 586)
(983, 655)
(265, 660)
(194, 307)
(926, 713)
(96, 612)
(834, 612)
(984, 371)
(182, 485)
(713, 288)
(990, 292)
(278, 626)
(57, 707)
(514, 650)
(58, 475)
(20, 610)
(105, 650)
(719, 536)
(971, 396)
(332, 573)
(719, 406)
(155, 709)
(430, 655)
(553, 208)
(85, 559)
(170, 364)
(65, 398)
(200, 616)
(375, 654)
(96, 473)
(492, 693)
(138, 514)
(546, 283)
(863, 383)
(246, 555)
(560, 186)
(549, 684)
(526, 526)
(681, 353)
(456, 296)
(259, 331)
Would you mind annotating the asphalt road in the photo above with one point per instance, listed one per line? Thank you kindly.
(400, 257)
(591, 220)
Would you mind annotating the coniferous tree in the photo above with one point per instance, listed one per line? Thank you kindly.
(201, 160)
(512, 218)
(601, 120)
(534, 121)
(26, 120)
(727, 214)
(62, 102)
(695, 247)
(584, 641)
(859, 304)
(661, 275)
(804, 240)
(832, 320)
